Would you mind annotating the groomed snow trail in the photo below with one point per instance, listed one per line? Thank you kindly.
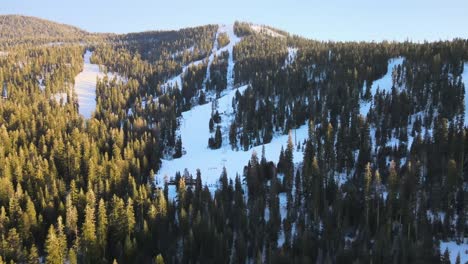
(383, 84)
(85, 85)
(194, 130)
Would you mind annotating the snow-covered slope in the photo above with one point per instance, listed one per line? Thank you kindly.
(85, 85)
(194, 129)
(178, 79)
(454, 250)
(195, 132)
(266, 30)
(233, 40)
(292, 54)
(383, 84)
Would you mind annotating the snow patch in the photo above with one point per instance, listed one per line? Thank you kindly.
(383, 84)
(85, 85)
(264, 30)
(455, 249)
(292, 53)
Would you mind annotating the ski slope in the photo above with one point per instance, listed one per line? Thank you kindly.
(454, 250)
(383, 84)
(85, 86)
(194, 132)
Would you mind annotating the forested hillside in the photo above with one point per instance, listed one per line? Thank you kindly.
(373, 169)
(15, 29)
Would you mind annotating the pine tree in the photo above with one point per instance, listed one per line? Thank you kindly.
(218, 138)
(33, 256)
(52, 247)
(61, 237)
(367, 193)
(159, 259)
(130, 216)
(89, 234)
(162, 204)
(288, 164)
(181, 192)
(233, 135)
(101, 232)
(178, 148)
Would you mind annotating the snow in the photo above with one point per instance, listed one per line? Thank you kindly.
(455, 249)
(465, 82)
(283, 201)
(435, 216)
(181, 52)
(386, 82)
(292, 53)
(85, 85)
(41, 84)
(233, 40)
(178, 79)
(60, 98)
(265, 30)
(383, 84)
(195, 132)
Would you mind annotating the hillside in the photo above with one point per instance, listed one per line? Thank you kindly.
(231, 144)
(14, 27)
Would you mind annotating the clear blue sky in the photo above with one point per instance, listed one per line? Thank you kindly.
(324, 20)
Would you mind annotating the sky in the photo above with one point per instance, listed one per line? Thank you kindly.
(340, 20)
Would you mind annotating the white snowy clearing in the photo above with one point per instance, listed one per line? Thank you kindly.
(383, 84)
(265, 30)
(454, 250)
(292, 54)
(233, 40)
(465, 82)
(85, 85)
(194, 131)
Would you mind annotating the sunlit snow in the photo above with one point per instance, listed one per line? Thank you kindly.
(454, 250)
(85, 85)
(194, 131)
(266, 30)
(383, 84)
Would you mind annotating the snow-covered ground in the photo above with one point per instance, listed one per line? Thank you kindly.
(292, 53)
(265, 30)
(455, 249)
(194, 131)
(85, 85)
(178, 79)
(60, 98)
(465, 82)
(383, 84)
(233, 40)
